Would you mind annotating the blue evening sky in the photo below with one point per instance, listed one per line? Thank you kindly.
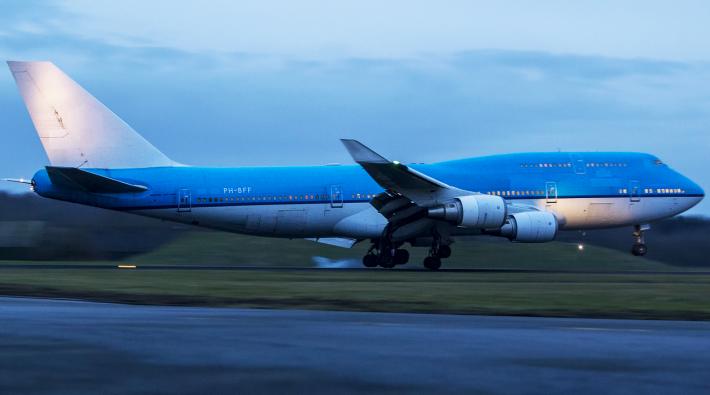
(231, 83)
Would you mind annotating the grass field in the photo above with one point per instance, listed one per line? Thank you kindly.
(218, 248)
(638, 294)
(587, 295)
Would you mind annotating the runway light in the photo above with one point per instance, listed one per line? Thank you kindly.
(126, 266)
(580, 247)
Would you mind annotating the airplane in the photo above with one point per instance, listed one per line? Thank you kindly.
(99, 160)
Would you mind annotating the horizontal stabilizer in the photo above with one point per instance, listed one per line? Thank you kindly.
(75, 178)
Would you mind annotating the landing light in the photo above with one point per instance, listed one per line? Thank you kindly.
(126, 266)
(580, 247)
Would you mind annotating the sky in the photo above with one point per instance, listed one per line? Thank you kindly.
(235, 83)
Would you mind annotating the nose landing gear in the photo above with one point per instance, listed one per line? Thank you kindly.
(639, 248)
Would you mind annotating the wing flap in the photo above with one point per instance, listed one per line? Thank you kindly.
(342, 242)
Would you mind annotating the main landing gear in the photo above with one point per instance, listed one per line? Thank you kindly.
(436, 253)
(386, 257)
(639, 248)
(432, 262)
(388, 254)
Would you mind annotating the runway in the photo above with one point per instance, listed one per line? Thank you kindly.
(409, 268)
(56, 346)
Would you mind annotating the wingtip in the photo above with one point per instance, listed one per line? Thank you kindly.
(361, 153)
(348, 141)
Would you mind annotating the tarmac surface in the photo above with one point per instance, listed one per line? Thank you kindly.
(261, 268)
(68, 347)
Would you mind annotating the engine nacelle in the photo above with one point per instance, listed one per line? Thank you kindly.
(472, 211)
(530, 227)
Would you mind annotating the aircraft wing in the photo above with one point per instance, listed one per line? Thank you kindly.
(399, 179)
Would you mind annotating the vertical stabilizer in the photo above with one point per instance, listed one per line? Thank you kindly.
(75, 128)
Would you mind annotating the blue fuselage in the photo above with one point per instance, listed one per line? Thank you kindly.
(586, 190)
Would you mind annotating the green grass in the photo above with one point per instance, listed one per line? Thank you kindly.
(540, 294)
(217, 248)
(588, 293)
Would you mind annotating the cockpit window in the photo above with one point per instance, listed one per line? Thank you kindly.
(658, 162)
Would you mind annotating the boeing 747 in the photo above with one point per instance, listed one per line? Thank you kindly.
(97, 159)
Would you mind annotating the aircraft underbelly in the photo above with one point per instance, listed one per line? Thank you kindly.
(592, 213)
(286, 220)
(361, 220)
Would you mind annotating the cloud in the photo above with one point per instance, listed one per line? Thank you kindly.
(225, 108)
(321, 29)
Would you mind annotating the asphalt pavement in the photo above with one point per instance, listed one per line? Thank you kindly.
(70, 347)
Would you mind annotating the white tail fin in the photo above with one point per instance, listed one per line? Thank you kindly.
(77, 130)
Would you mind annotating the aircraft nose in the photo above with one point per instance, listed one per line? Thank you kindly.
(694, 192)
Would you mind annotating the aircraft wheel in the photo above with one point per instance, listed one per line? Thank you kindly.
(386, 261)
(444, 251)
(432, 263)
(639, 249)
(401, 256)
(369, 260)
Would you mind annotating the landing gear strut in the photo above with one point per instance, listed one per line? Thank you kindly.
(639, 248)
(437, 251)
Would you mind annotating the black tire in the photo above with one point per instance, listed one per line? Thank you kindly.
(369, 260)
(401, 256)
(444, 251)
(432, 263)
(639, 249)
(385, 261)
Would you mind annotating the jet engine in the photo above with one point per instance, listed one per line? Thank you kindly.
(530, 227)
(472, 211)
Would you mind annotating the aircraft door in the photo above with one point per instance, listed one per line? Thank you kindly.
(336, 196)
(634, 191)
(551, 192)
(579, 165)
(184, 201)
